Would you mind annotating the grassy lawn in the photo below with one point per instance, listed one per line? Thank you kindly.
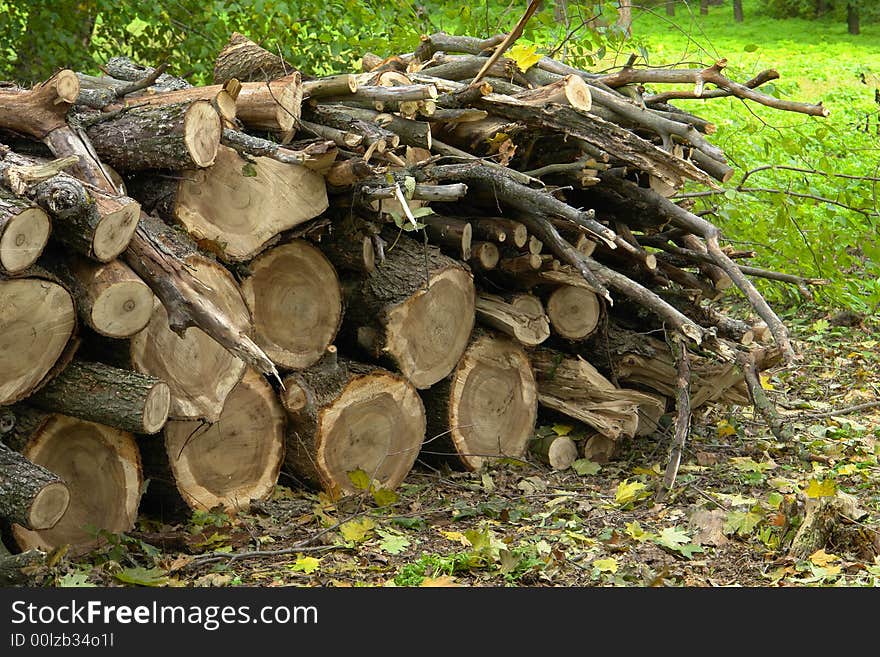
(817, 61)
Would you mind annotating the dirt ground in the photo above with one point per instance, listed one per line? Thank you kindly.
(738, 502)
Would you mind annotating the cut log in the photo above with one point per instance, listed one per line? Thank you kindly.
(557, 451)
(176, 136)
(416, 309)
(454, 234)
(86, 220)
(101, 467)
(345, 416)
(199, 370)
(246, 61)
(24, 231)
(484, 256)
(110, 297)
(600, 449)
(574, 312)
(236, 206)
(30, 495)
(521, 316)
(107, 395)
(486, 409)
(575, 388)
(17, 569)
(294, 295)
(37, 320)
(235, 460)
(569, 90)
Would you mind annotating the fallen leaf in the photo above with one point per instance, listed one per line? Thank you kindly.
(586, 467)
(143, 576)
(629, 492)
(359, 479)
(384, 497)
(709, 526)
(825, 488)
(822, 558)
(725, 429)
(608, 565)
(75, 580)
(707, 458)
(306, 565)
(562, 429)
(357, 530)
(392, 542)
(443, 580)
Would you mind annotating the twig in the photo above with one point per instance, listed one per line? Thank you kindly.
(762, 402)
(142, 83)
(843, 411)
(515, 34)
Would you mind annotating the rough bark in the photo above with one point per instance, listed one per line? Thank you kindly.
(486, 409)
(176, 136)
(30, 495)
(118, 398)
(416, 309)
(345, 416)
(246, 61)
(294, 295)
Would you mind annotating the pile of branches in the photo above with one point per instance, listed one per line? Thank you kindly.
(204, 284)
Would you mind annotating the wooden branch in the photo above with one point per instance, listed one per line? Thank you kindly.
(682, 417)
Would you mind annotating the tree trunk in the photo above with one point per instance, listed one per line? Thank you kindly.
(36, 325)
(101, 467)
(177, 136)
(294, 295)
(345, 416)
(704, 7)
(557, 451)
(670, 7)
(852, 18)
(24, 232)
(199, 371)
(624, 16)
(416, 309)
(486, 409)
(235, 460)
(520, 316)
(110, 297)
(246, 61)
(574, 312)
(821, 7)
(738, 11)
(30, 495)
(88, 221)
(118, 398)
(235, 207)
(484, 256)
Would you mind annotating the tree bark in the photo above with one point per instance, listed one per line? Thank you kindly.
(36, 327)
(852, 18)
(24, 232)
(198, 369)
(234, 461)
(416, 309)
(345, 416)
(246, 61)
(454, 235)
(738, 11)
(175, 136)
(118, 398)
(486, 409)
(101, 467)
(294, 295)
(30, 495)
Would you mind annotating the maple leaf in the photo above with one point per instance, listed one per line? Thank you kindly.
(306, 565)
(586, 467)
(357, 530)
(384, 497)
(359, 479)
(524, 56)
(608, 565)
(724, 429)
(635, 531)
(823, 558)
(816, 488)
(742, 523)
(629, 492)
(392, 542)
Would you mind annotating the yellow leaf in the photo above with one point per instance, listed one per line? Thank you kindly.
(524, 56)
(724, 429)
(765, 382)
(629, 492)
(822, 558)
(847, 469)
(608, 565)
(458, 537)
(443, 580)
(653, 470)
(635, 531)
(359, 479)
(306, 565)
(357, 530)
(816, 488)
(497, 140)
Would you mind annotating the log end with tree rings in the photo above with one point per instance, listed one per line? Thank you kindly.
(427, 333)
(486, 409)
(202, 129)
(235, 460)
(114, 231)
(22, 239)
(101, 467)
(574, 312)
(36, 324)
(116, 303)
(344, 417)
(294, 295)
(237, 205)
(49, 506)
(199, 371)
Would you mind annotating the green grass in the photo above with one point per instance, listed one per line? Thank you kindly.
(817, 61)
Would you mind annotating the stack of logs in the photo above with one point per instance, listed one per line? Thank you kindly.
(202, 285)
